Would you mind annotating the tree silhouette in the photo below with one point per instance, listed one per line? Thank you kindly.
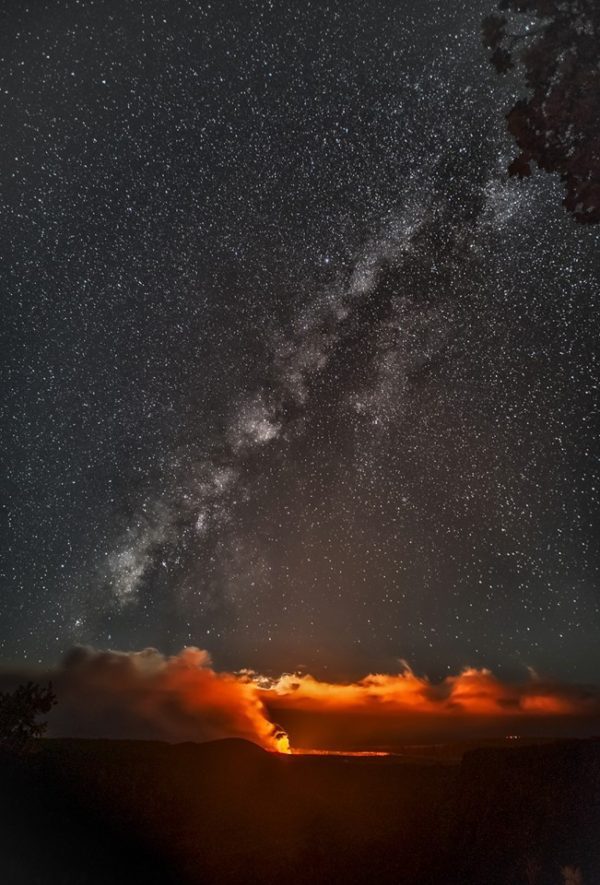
(19, 712)
(555, 45)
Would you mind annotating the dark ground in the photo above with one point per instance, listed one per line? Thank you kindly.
(227, 812)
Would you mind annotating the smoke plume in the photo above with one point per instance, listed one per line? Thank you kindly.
(146, 695)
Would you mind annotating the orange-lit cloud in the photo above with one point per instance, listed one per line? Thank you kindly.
(471, 692)
(146, 695)
(382, 711)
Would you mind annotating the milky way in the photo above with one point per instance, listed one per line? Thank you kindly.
(294, 372)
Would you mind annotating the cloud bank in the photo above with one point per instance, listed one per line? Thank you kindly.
(147, 695)
(471, 692)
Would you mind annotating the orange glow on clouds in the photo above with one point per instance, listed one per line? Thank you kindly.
(183, 698)
(471, 692)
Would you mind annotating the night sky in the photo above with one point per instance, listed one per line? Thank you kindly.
(293, 372)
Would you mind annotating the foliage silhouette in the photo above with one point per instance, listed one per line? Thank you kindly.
(557, 127)
(19, 712)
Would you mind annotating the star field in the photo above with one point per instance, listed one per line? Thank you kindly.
(293, 372)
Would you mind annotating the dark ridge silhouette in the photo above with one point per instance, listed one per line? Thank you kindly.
(87, 811)
(521, 815)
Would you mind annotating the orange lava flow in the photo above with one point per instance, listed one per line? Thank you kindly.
(339, 753)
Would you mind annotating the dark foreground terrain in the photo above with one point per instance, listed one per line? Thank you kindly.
(227, 812)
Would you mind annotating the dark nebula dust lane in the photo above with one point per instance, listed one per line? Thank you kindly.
(295, 374)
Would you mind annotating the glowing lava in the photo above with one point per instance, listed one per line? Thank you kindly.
(282, 742)
(339, 753)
